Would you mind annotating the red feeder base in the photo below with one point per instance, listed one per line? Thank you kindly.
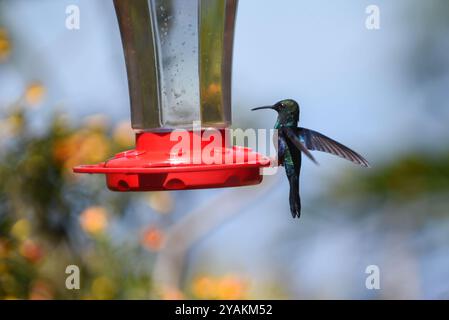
(188, 162)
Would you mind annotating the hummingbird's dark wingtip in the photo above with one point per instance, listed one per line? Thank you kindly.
(364, 163)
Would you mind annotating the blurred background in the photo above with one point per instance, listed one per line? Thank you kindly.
(64, 101)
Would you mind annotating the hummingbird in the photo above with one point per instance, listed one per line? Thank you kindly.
(293, 140)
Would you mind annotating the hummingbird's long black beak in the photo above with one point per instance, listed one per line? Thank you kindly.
(264, 107)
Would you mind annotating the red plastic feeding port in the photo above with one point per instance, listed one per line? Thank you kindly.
(180, 160)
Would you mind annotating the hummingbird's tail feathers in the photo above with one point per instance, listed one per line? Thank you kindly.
(293, 136)
(317, 141)
(295, 200)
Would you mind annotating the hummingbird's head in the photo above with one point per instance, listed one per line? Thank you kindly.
(288, 112)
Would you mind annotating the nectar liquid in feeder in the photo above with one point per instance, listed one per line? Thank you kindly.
(179, 59)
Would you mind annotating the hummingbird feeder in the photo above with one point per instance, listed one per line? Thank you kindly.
(178, 57)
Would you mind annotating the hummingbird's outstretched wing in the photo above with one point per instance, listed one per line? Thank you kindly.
(293, 136)
(317, 141)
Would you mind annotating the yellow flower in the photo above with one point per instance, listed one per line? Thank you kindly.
(31, 251)
(224, 288)
(83, 147)
(123, 134)
(172, 294)
(35, 93)
(231, 288)
(205, 288)
(161, 201)
(94, 148)
(21, 229)
(93, 220)
(103, 288)
(40, 290)
(152, 239)
(5, 45)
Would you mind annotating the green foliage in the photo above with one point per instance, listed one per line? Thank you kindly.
(51, 218)
(409, 177)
